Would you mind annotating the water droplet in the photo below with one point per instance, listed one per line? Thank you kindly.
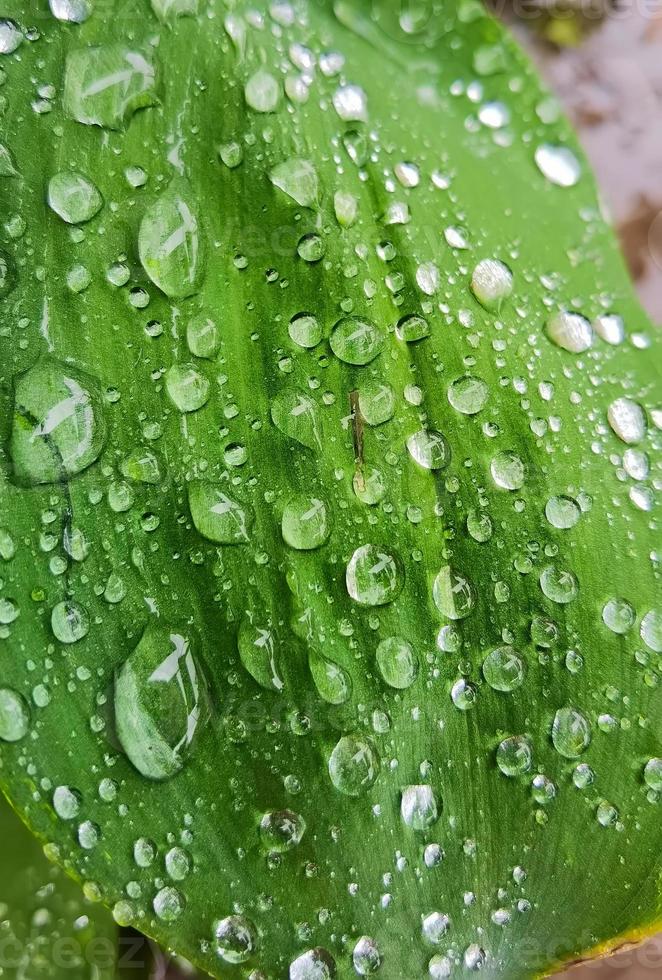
(419, 807)
(558, 164)
(397, 662)
(169, 10)
(333, 684)
(374, 576)
(10, 35)
(479, 526)
(351, 103)
(70, 621)
(440, 967)
(514, 755)
(298, 417)
(428, 278)
(434, 927)
(187, 388)
(453, 593)
(14, 715)
(259, 651)
(353, 765)
(651, 630)
(305, 330)
(235, 938)
(218, 517)
(463, 694)
(606, 813)
(376, 402)
(58, 426)
(160, 702)
(169, 241)
(571, 331)
(559, 584)
(430, 449)
(543, 789)
(468, 395)
(144, 852)
(491, 283)
(142, 466)
(104, 86)
(168, 904)
(346, 208)
(618, 615)
(73, 196)
(366, 957)
(508, 470)
(503, 669)
(203, 336)
(653, 774)
(298, 179)
(628, 420)
(67, 802)
(357, 340)
(70, 11)
(571, 732)
(88, 834)
(474, 957)
(369, 485)
(311, 248)
(562, 512)
(610, 327)
(282, 830)
(178, 863)
(411, 328)
(262, 91)
(305, 522)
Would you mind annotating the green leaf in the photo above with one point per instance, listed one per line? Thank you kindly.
(330, 588)
(49, 930)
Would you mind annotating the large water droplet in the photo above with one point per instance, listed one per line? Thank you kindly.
(160, 702)
(169, 241)
(571, 732)
(503, 669)
(434, 927)
(453, 593)
(628, 420)
(618, 615)
(263, 91)
(430, 449)
(104, 86)
(58, 426)
(468, 395)
(562, 512)
(651, 630)
(419, 807)
(11, 36)
(397, 662)
(374, 576)
(514, 756)
(571, 331)
(351, 103)
(305, 522)
(559, 584)
(332, 682)
(70, 11)
(491, 283)
(70, 621)
(217, 516)
(305, 330)
(14, 715)
(298, 417)
(298, 179)
(188, 388)
(282, 830)
(235, 938)
(73, 196)
(353, 765)
(203, 336)
(508, 470)
(366, 956)
(357, 340)
(376, 402)
(259, 651)
(558, 164)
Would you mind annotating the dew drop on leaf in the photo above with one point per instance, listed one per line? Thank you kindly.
(70, 11)
(262, 91)
(259, 648)
(298, 179)
(67, 802)
(430, 449)
(503, 669)
(104, 86)
(353, 765)
(618, 615)
(571, 732)
(491, 283)
(627, 419)
(558, 164)
(305, 522)
(11, 35)
(73, 196)
(562, 512)
(357, 340)
(514, 755)
(468, 395)
(282, 830)
(453, 593)
(217, 516)
(374, 576)
(419, 807)
(169, 241)
(203, 336)
(570, 331)
(14, 715)
(559, 584)
(188, 388)
(397, 662)
(235, 938)
(366, 956)
(70, 621)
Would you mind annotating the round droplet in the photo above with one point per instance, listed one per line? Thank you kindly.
(70, 621)
(88, 835)
(311, 248)
(144, 852)
(571, 331)
(305, 523)
(559, 584)
(419, 807)
(468, 395)
(583, 776)
(368, 485)
(14, 715)
(374, 576)
(453, 593)
(376, 402)
(571, 732)
(558, 164)
(434, 927)
(305, 330)
(440, 967)
(651, 630)
(514, 755)
(178, 863)
(262, 91)
(412, 328)
(397, 662)
(351, 103)
(474, 957)
(653, 774)
(562, 512)
(66, 802)
(10, 35)
(508, 470)
(610, 327)
(429, 449)
(463, 694)
(218, 517)
(491, 283)
(353, 765)
(73, 197)
(70, 11)
(187, 388)
(366, 957)
(628, 420)
(503, 669)
(357, 340)
(282, 830)
(479, 526)
(618, 615)
(168, 904)
(203, 336)
(606, 813)
(235, 938)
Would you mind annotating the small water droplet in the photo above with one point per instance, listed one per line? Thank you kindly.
(558, 164)
(491, 283)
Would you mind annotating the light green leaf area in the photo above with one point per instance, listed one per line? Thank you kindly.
(48, 930)
(330, 603)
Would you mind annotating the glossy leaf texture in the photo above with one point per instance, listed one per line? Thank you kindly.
(331, 616)
(48, 929)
